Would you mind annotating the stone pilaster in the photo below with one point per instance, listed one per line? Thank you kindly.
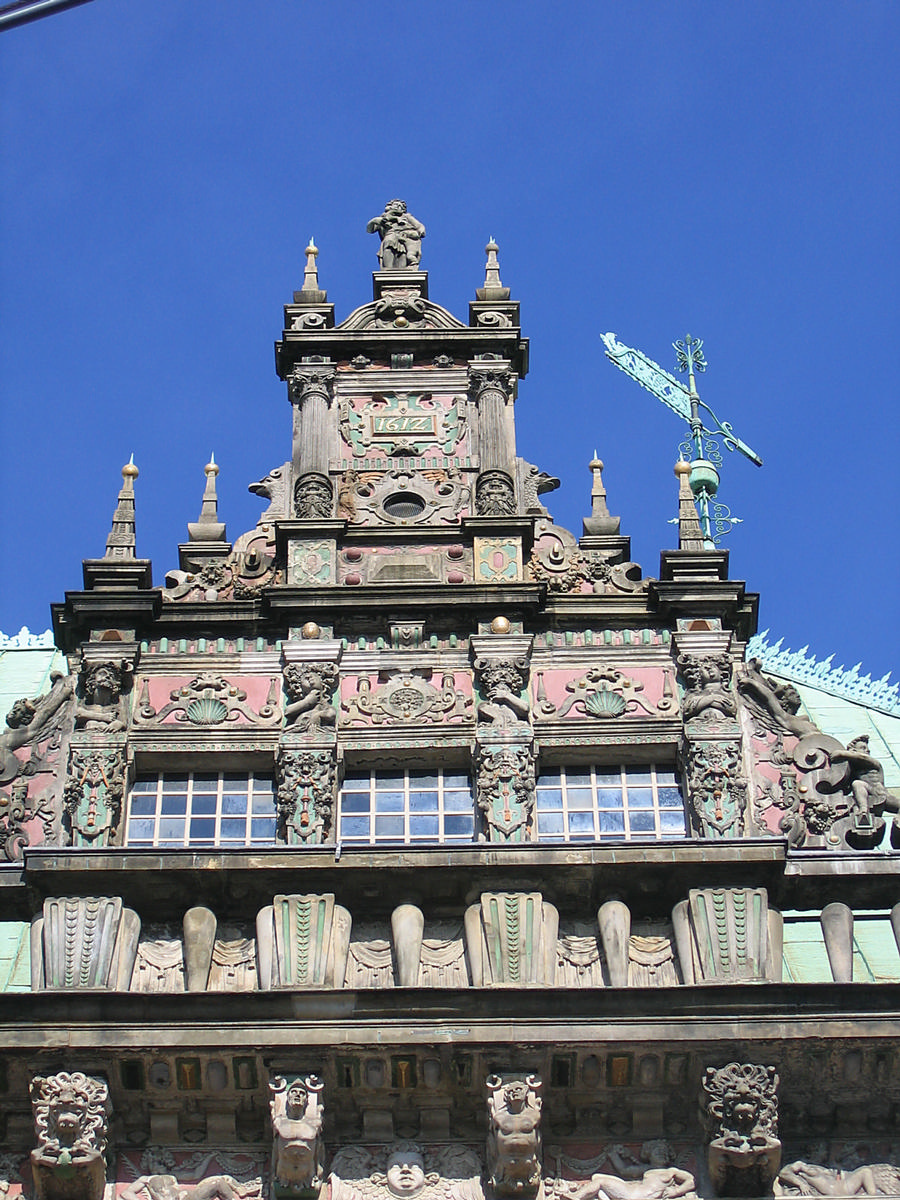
(311, 389)
(492, 387)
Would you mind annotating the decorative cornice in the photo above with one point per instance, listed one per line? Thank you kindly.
(803, 667)
(25, 640)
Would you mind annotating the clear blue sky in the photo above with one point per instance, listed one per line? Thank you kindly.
(725, 170)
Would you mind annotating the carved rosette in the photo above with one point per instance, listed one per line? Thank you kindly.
(298, 1151)
(495, 494)
(407, 696)
(93, 794)
(313, 497)
(741, 1110)
(514, 1135)
(305, 796)
(71, 1115)
(504, 788)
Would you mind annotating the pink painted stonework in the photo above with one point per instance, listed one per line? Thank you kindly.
(591, 694)
(207, 699)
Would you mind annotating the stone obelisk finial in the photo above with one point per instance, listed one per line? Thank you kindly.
(690, 535)
(208, 527)
(311, 293)
(600, 522)
(493, 286)
(121, 541)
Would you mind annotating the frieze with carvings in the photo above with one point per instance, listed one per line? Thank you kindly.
(604, 693)
(209, 700)
(159, 1173)
(401, 563)
(410, 425)
(406, 697)
(403, 497)
(406, 1171)
(655, 1172)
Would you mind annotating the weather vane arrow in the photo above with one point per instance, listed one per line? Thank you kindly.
(686, 403)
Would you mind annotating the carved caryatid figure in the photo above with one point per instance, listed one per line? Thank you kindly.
(298, 1153)
(501, 681)
(634, 1181)
(311, 686)
(401, 237)
(71, 1111)
(514, 1135)
(100, 689)
(707, 677)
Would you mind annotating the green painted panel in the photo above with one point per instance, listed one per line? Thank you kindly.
(15, 956)
(875, 952)
(805, 957)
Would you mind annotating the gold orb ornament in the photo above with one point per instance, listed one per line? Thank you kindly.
(500, 625)
(310, 630)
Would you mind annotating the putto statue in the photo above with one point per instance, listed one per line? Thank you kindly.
(401, 237)
(71, 1112)
(298, 1155)
(514, 1135)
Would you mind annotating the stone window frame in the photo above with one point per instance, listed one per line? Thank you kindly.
(573, 780)
(198, 809)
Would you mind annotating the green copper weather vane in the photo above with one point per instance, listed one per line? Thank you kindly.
(700, 446)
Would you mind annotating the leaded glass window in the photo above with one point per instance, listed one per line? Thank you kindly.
(201, 808)
(606, 804)
(408, 807)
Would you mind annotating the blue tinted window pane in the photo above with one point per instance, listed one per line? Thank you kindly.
(389, 783)
(665, 779)
(581, 822)
(608, 798)
(550, 823)
(453, 779)
(140, 830)
(422, 780)
(175, 783)
(550, 779)
(638, 779)
(459, 826)
(238, 777)
(263, 805)
(578, 780)
(671, 821)
(607, 779)
(203, 805)
(354, 827)
(143, 806)
(233, 829)
(457, 801)
(206, 782)
(231, 805)
(423, 826)
(389, 827)
(171, 829)
(173, 806)
(203, 827)
(549, 799)
(643, 822)
(639, 797)
(670, 797)
(580, 798)
(389, 802)
(356, 802)
(262, 783)
(612, 822)
(145, 784)
(262, 829)
(423, 802)
(356, 783)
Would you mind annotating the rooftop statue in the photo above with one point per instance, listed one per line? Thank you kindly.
(401, 237)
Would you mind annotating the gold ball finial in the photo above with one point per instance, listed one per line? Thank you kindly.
(310, 630)
(500, 625)
(682, 467)
(212, 467)
(130, 471)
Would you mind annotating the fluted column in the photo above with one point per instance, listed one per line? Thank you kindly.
(491, 388)
(311, 389)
